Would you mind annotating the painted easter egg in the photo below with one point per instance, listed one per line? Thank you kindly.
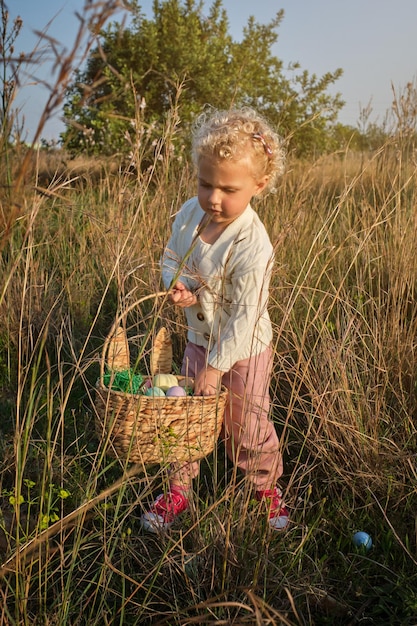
(362, 540)
(176, 392)
(186, 382)
(164, 381)
(155, 392)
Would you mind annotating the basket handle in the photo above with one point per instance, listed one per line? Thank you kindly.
(118, 321)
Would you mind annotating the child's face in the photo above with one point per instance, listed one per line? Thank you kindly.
(225, 188)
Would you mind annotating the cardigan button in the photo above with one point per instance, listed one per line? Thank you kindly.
(200, 316)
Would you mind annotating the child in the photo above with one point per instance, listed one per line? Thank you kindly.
(217, 265)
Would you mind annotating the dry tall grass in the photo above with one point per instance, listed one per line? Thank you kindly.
(344, 312)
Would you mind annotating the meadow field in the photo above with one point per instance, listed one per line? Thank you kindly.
(80, 243)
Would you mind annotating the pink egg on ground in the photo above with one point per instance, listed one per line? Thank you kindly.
(176, 392)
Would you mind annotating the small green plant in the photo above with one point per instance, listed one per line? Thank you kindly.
(42, 503)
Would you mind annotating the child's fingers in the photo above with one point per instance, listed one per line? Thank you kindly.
(176, 296)
(183, 297)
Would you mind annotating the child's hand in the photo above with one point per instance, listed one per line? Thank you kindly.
(207, 382)
(181, 296)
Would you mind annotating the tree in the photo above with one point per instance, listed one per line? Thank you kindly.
(142, 67)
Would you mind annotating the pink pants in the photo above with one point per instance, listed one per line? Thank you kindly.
(251, 440)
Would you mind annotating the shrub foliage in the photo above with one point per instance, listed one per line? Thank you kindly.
(146, 62)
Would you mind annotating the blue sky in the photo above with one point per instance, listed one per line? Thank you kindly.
(373, 41)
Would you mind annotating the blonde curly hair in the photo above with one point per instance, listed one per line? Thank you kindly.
(238, 133)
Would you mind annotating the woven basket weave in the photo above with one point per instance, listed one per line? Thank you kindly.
(153, 430)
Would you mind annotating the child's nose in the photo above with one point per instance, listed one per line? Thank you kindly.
(215, 196)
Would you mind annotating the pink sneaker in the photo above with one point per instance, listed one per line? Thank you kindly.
(278, 514)
(165, 510)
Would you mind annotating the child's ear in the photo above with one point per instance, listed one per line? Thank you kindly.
(261, 185)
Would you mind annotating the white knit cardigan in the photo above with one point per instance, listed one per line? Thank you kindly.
(231, 279)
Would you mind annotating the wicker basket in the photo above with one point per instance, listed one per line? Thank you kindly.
(153, 430)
